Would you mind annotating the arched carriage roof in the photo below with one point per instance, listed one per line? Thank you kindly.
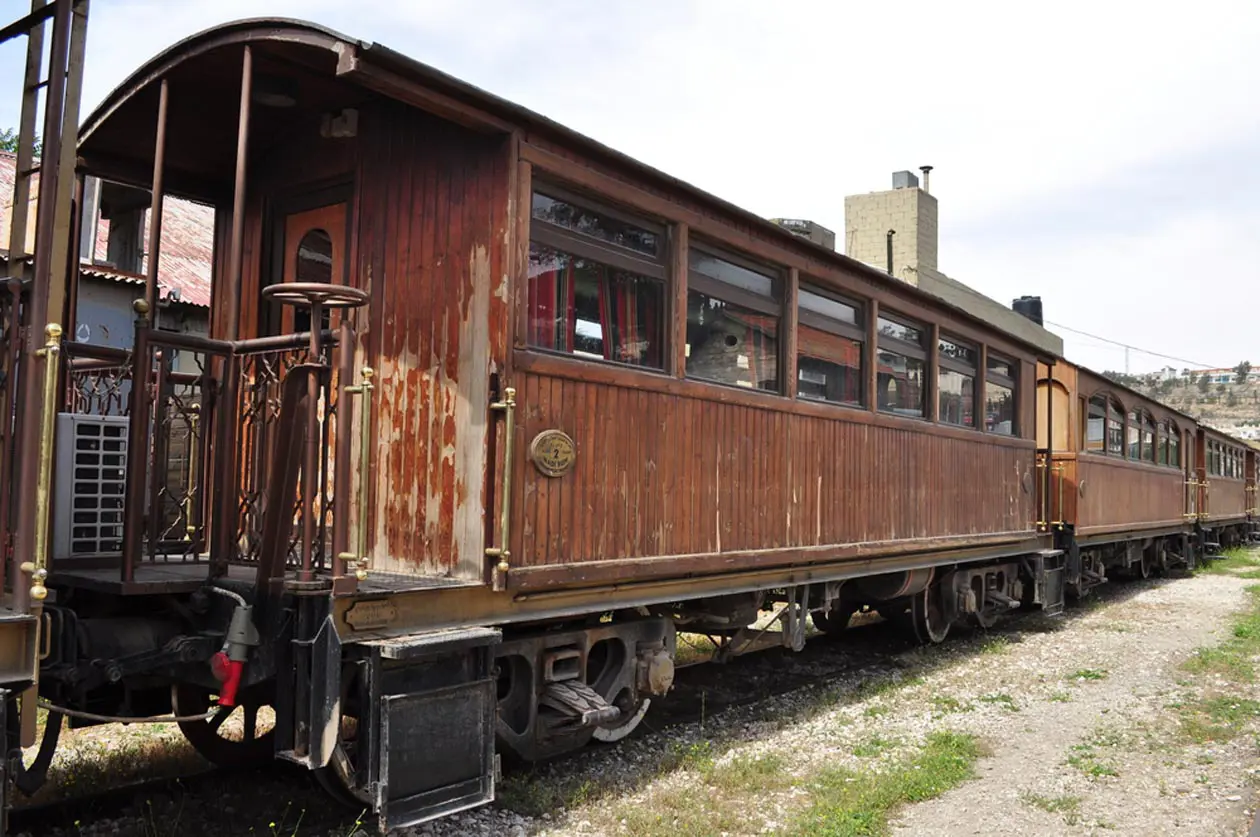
(117, 138)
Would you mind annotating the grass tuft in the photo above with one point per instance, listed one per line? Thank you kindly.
(849, 804)
(1068, 806)
(1234, 659)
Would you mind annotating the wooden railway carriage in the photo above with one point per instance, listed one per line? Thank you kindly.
(1133, 483)
(487, 412)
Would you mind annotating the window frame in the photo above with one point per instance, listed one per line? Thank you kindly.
(772, 306)
(947, 363)
(655, 267)
(1174, 440)
(1011, 383)
(912, 351)
(1145, 425)
(839, 328)
(727, 292)
(575, 244)
(1101, 401)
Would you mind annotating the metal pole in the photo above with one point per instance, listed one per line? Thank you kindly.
(238, 199)
(223, 535)
(155, 207)
(26, 537)
(341, 461)
(309, 466)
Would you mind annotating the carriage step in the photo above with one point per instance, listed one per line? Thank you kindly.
(433, 746)
(1049, 580)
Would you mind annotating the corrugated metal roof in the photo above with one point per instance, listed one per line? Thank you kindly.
(187, 241)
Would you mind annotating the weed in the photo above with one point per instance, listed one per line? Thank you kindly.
(849, 804)
(1233, 660)
(944, 705)
(1085, 759)
(1068, 806)
(995, 645)
(1217, 718)
(1089, 674)
(1001, 699)
(873, 746)
(1059, 697)
(1234, 561)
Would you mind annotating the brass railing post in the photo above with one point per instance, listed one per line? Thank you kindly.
(37, 567)
(358, 558)
(508, 407)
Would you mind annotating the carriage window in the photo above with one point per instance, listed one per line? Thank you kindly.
(583, 307)
(1174, 445)
(314, 257)
(999, 396)
(596, 284)
(1131, 436)
(1096, 426)
(598, 225)
(1161, 444)
(314, 263)
(1148, 438)
(829, 349)
(732, 323)
(901, 361)
(956, 383)
(1115, 429)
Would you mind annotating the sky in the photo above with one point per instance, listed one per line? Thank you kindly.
(1102, 155)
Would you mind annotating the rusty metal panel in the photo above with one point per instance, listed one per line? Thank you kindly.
(433, 218)
(658, 474)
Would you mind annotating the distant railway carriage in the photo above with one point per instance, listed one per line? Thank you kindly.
(487, 413)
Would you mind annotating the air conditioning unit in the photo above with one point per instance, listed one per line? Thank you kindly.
(91, 484)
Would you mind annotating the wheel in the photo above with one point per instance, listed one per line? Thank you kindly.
(338, 778)
(1145, 566)
(986, 618)
(928, 617)
(631, 717)
(830, 622)
(231, 737)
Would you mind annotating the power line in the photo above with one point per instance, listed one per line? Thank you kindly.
(1135, 348)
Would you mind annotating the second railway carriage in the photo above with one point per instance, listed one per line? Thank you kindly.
(487, 412)
(1134, 484)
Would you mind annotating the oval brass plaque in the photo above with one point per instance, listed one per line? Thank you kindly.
(553, 453)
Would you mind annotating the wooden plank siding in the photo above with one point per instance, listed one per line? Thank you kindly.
(432, 242)
(673, 470)
(1225, 497)
(1115, 495)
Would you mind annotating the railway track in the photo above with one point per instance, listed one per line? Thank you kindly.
(282, 800)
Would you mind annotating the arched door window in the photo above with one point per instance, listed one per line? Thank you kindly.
(313, 262)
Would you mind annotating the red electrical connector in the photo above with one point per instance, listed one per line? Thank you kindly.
(228, 672)
(229, 664)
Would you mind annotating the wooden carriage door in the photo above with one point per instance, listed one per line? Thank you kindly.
(314, 247)
(1250, 457)
(1196, 470)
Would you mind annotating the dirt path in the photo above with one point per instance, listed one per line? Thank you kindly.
(1089, 724)
(1110, 749)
